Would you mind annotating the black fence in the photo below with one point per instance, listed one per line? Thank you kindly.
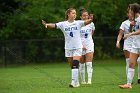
(51, 50)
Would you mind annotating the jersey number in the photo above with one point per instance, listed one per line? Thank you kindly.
(86, 35)
(71, 34)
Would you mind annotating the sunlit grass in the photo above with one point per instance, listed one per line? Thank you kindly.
(55, 78)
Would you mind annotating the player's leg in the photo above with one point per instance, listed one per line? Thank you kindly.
(138, 61)
(69, 56)
(82, 69)
(133, 59)
(126, 54)
(75, 64)
(131, 70)
(70, 59)
(89, 58)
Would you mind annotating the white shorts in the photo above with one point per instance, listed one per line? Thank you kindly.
(73, 52)
(127, 46)
(88, 50)
(135, 50)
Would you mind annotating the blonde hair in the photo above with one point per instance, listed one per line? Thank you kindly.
(67, 12)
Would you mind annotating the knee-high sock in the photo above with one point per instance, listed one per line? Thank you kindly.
(127, 65)
(82, 72)
(74, 76)
(130, 75)
(89, 70)
(75, 65)
(138, 60)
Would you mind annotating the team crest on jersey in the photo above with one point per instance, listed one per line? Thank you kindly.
(71, 28)
(85, 31)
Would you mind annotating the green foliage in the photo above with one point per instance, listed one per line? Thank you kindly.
(21, 19)
(7, 8)
(25, 22)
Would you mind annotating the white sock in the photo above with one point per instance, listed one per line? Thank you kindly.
(74, 76)
(82, 72)
(138, 60)
(89, 70)
(127, 65)
(130, 75)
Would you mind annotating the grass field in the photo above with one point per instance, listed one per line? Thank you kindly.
(55, 78)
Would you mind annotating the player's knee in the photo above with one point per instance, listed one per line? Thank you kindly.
(75, 64)
(131, 65)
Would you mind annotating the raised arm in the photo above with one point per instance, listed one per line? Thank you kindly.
(48, 25)
(88, 21)
(119, 38)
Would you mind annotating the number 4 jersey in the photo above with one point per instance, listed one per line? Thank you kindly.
(71, 33)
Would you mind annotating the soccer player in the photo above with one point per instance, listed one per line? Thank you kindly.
(135, 51)
(73, 44)
(125, 29)
(88, 48)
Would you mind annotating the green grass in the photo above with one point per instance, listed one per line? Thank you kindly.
(55, 78)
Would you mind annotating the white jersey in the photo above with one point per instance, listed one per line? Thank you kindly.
(136, 40)
(86, 35)
(125, 26)
(71, 33)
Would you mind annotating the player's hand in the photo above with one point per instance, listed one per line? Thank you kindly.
(117, 44)
(127, 35)
(91, 16)
(44, 23)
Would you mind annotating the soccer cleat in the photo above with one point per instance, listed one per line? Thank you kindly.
(83, 82)
(74, 85)
(89, 82)
(138, 81)
(126, 86)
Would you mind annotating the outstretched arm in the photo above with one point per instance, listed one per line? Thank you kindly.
(48, 25)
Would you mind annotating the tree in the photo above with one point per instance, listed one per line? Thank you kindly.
(22, 19)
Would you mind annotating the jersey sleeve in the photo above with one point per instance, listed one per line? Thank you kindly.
(81, 23)
(93, 26)
(122, 26)
(59, 25)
